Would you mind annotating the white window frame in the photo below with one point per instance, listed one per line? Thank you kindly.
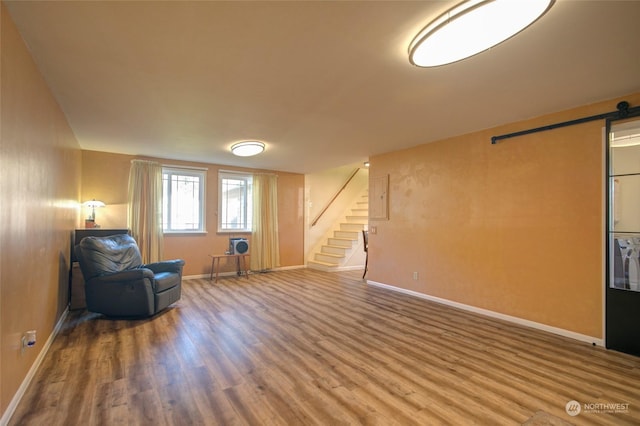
(248, 178)
(201, 174)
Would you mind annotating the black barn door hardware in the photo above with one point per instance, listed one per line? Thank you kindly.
(623, 111)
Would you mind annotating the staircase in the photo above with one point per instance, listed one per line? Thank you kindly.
(343, 249)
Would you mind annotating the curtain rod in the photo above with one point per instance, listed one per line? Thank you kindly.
(173, 166)
(178, 166)
(239, 172)
(622, 112)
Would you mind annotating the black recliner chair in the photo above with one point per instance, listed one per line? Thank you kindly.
(117, 284)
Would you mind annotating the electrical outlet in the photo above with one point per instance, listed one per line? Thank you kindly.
(415, 275)
(28, 340)
(373, 229)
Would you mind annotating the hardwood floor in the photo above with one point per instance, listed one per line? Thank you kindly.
(304, 347)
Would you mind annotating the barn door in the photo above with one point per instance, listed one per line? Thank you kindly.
(622, 309)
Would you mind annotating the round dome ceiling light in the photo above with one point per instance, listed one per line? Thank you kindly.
(247, 148)
(472, 27)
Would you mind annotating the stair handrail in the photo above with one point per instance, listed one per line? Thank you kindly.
(313, 223)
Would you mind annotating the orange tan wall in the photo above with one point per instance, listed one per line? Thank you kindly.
(39, 189)
(515, 228)
(105, 178)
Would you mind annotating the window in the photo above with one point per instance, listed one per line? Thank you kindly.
(183, 199)
(234, 205)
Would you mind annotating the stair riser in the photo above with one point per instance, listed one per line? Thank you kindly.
(341, 243)
(327, 258)
(339, 249)
(352, 235)
(334, 250)
(320, 267)
(358, 219)
(353, 227)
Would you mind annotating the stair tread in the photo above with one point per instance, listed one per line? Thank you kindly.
(320, 262)
(340, 256)
(341, 244)
(352, 238)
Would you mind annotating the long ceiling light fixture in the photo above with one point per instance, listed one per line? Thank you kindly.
(472, 27)
(247, 148)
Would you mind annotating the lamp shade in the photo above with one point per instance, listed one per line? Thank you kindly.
(93, 204)
(247, 148)
(471, 27)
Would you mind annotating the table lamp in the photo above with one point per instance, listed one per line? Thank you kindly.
(90, 222)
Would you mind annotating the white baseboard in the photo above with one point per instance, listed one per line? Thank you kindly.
(229, 274)
(6, 416)
(350, 268)
(339, 268)
(288, 268)
(195, 277)
(498, 315)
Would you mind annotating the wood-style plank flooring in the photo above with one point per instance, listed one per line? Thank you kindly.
(304, 347)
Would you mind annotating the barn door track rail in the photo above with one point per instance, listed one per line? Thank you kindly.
(622, 111)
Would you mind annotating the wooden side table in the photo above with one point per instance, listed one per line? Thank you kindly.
(215, 263)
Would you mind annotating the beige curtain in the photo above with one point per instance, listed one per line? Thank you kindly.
(265, 249)
(145, 208)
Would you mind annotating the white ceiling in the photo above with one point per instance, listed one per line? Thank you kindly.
(324, 84)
